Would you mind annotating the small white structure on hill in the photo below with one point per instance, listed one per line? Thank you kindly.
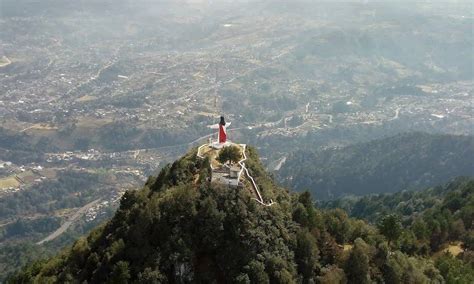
(228, 175)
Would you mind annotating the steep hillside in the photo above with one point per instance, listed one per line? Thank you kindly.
(456, 194)
(413, 160)
(180, 228)
(432, 216)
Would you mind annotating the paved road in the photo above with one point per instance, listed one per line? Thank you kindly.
(69, 222)
(280, 163)
(397, 113)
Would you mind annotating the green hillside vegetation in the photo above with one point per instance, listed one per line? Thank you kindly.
(413, 160)
(432, 217)
(28, 216)
(179, 228)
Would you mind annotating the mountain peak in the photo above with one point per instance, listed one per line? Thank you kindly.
(183, 226)
(208, 165)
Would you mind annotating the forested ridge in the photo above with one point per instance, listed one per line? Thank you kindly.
(406, 161)
(431, 217)
(179, 228)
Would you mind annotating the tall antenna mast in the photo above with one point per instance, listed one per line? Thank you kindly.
(216, 81)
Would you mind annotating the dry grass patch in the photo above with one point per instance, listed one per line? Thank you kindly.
(43, 126)
(347, 247)
(9, 182)
(454, 248)
(86, 98)
(89, 122)
(4, 61)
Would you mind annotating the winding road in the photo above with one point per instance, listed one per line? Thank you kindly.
(280, 163)
(69, 222)
(397, 113)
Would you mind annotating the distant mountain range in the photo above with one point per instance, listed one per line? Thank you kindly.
(413, 160)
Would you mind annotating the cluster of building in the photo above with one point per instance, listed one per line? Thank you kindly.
(17, 177)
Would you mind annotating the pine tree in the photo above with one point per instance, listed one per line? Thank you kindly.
(229, 154)
(390, 227)
(357, 266)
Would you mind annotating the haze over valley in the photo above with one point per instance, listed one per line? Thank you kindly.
(339, 98)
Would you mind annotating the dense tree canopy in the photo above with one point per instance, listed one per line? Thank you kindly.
(229, 154)
(182, 228)
(390, 227)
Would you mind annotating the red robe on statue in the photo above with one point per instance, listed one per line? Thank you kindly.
(222, 133)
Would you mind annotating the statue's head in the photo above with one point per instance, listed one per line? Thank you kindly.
(222, 122)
